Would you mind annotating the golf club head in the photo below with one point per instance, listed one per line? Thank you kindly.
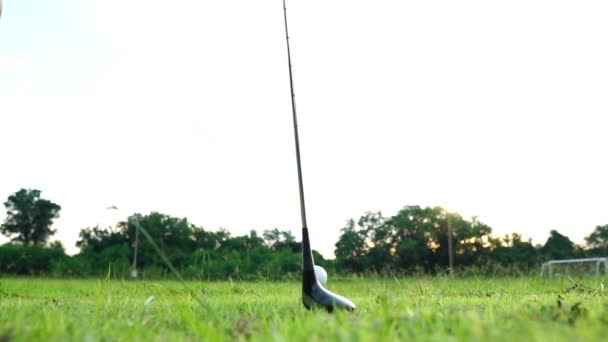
(318, 296)
(313, 293)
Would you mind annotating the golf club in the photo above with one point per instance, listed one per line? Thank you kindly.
(313, 293)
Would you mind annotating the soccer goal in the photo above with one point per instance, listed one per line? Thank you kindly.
(547, 266)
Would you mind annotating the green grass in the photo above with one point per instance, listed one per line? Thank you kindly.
(426, 309)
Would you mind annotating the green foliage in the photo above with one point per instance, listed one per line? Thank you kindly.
(597, 241)
(19, 259)
(29, 217)
(194, 251)
(173, 235)
(512, 250)
(413, 241)
(278, 240)
(414, 238)
(558, 246)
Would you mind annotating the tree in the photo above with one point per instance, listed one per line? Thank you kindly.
(351, 248)
(558, 246)
(513, 251)
(96, 240)
(174, 236)
(29, 218)
(598, 238)
(278, 240)
(208, 240)
(356, 252)
(414, 238)
(101, 249)
(407, 238)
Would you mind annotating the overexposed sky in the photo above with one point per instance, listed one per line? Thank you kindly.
(487, 108)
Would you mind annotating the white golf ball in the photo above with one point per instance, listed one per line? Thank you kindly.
(321, 275)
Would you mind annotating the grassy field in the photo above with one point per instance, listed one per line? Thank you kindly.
(426, 309)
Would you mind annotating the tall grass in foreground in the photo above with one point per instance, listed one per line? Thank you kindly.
(421, 308)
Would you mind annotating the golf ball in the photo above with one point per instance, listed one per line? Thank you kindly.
(321, 274)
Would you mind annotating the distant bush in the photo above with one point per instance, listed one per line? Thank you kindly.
(29, 260)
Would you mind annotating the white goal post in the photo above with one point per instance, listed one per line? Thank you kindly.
(598, 262)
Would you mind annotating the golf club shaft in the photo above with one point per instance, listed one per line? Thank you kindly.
(295, 124)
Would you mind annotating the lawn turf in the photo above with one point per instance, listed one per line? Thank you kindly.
(411, 308)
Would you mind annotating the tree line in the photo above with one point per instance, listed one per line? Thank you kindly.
(413, 241)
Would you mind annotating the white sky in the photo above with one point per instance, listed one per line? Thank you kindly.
(494, 109)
